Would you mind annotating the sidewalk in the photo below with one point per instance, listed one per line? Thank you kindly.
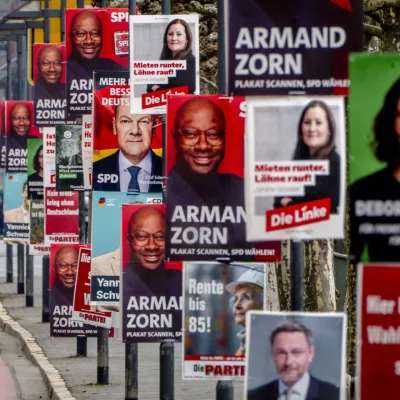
(80, 373)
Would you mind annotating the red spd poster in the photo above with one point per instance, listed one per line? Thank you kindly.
(378, 327)
(61, 217)
(82, 311)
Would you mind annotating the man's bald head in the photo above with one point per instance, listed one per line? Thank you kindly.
(86, 34)
(66, 264)
(199, 135)
(146, 237)
(20, 117)
(49, 62)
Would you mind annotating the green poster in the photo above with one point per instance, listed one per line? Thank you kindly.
(374, 157)
(35, 169)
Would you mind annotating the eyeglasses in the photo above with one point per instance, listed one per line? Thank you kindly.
(21, 119)
(64, 267)
(83, 34)
(142, 239)
(48, 64)
(190, 137)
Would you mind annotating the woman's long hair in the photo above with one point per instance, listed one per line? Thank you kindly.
(166, 53)
(302, 152)
(36, 165)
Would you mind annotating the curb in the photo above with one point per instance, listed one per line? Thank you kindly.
(52, 378)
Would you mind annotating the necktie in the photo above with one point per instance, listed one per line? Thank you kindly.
(289, 394)
(133, 183)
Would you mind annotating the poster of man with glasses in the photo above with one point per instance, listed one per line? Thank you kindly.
(89, 49)
(206, 218)
(151, 287)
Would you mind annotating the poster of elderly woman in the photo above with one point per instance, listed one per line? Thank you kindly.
(216, 299)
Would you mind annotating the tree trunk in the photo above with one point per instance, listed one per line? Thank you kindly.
(271, 298)
(283, 277)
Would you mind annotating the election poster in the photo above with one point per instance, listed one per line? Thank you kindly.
(35, 169)
(2, 135)
(16, 208)
(164, 59)
(309, 338)
(206, 216)
(49, 157)
(96, 40)
(288, 47)
(63, 271)
(106, 244)
(295, 167)
(69, 164)
(61, 217)
(82, 311)
(49, 84)
(2, 179)
(151, 288)
(36, 228)
(87, 150)
(374, 129)
(378, 364)
(19, 126)
(127, 147)
(216, 299)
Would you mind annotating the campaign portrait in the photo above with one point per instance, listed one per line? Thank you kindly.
(19, 126)
(164, 56)
(127, 148)
(36, 228)
(49, 84)
(106, 244)
(206, 217)
(216, 300)
(374, 167)
(63, 269)
(2, 135)
(35, 169)
(287, 356)
(96, 40)
(151, 287)
(296, 167)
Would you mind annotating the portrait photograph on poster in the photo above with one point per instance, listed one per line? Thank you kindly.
(89, 49)
(151, 288)
(295, 164)
(19, 126)
(216, 299)
(164, 55)
(281, 48)
(374, 129)
(35, 169)
(127, 148)
(63, 268)
(2, 135)
(106, 243)
(206, 217)
(276, 338)
(16, 208)
(36, 228)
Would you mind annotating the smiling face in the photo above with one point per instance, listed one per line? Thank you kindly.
(244, 301)
(86, 34)
(315, 129)
(50, 64)
(148, 250)
(20, 119)
(176, 38)
(204, 117)
(292, 356)
(66, 266)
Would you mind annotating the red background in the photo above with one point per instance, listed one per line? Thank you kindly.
(2, 127)
(33, 131)
(109, 28)
(376, 370)
(103, 135)
(233, 162)
(127, 211)
(36, 49)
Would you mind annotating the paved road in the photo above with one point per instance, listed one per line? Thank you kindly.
(80, 373)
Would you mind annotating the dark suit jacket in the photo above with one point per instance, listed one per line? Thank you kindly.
(317, 390)
(110, 165)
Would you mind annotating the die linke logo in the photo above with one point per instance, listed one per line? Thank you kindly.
(343, 4)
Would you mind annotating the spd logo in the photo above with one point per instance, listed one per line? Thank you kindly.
(153, 200)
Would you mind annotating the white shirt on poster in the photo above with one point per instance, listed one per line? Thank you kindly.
(299, 390)
(143, 175)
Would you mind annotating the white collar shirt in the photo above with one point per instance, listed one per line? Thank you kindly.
(299, 389)
(144, 174)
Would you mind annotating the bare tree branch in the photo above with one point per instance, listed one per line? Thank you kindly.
(374, 5)
(373, 30)
(375, 16)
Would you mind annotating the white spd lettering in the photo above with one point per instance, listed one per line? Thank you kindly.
(104, 178)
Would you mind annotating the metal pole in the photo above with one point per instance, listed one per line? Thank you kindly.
(167, 368)
(297, 274)
(81, 346)
(221, 47)
(131, 371)
(20, 67)
(20, 268)
(9, 261)
(102, 356)
(80, 3)
(224, 390)
(166, 7)
(29, 279)
(132, 7)
(46, 24)
(103, 3)
(62, 20)
(82, 218)
(9, 77)
(45, 288)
